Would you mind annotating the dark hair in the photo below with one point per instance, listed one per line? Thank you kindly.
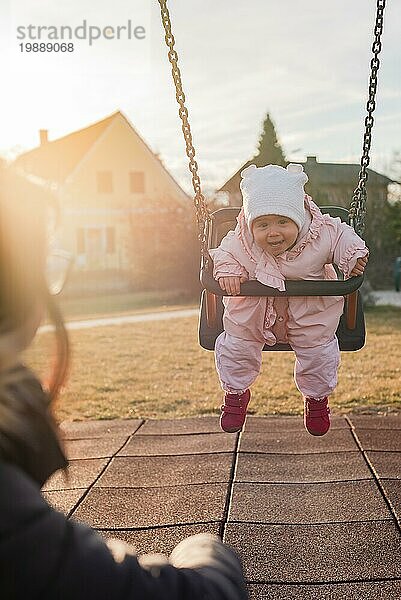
(28, 433)
(24, 293)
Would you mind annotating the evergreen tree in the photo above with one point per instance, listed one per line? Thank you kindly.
(394, 231)
(269, 150)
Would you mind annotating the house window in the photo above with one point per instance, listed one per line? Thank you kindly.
(80, 240)
(96, 240)
(104, 182)
(110, 240)
(137, 182)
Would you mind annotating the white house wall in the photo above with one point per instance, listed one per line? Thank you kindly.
(119, 150)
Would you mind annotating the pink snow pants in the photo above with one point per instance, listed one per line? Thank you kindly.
(238, 364)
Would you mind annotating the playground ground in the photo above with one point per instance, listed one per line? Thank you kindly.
(311, 518)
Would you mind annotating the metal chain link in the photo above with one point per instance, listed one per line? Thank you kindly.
(358, 203)
(202, 212)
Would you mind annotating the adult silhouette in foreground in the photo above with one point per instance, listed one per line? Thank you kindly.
(42, 554)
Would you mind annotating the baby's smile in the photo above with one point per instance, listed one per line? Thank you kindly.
(278, 245)
(274, 234)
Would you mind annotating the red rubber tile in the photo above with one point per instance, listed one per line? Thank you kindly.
(384, 439)
(392, 488)
(317, 553)
(168, 445)
(386, 464)
(291, 468)
(308, 502)
(94, 448)
(294, 442)
(80, 473)
(64, 500)
(369, 590)
(112, 508)
(158, 471)
(181, 426)
(376, 421)
(73, 430)
(271, 424)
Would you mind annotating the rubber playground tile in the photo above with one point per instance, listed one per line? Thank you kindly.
(317, 553)
(305, 503)
(386, 464)
(104, 447)
(392, 488)
(285, 468)
(367, 590)
(73, 430)
(125, 508)
(64, 500)
(160, 540)
(144, 471)
(376, 421)
(386, 439)
(80, 473)
(302, 442)
(181, 426)
(273, 424)
(169, 445)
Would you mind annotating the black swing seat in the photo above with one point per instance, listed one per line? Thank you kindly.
(351, 328)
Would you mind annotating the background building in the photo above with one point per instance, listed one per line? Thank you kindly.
(111, 190)
(329, 183)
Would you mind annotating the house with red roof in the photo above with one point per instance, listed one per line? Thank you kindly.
(106, 179)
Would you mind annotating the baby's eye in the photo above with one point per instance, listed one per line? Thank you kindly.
(283, 221)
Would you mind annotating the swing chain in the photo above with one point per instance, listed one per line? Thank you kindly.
(358, 202)
(359, 197)
(202, 213)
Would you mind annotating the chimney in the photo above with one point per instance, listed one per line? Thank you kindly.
(43, 136)
(311, 159)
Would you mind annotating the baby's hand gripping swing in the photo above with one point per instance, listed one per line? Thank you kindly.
(213, 226)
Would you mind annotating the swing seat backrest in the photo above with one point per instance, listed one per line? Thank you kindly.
(351, 329)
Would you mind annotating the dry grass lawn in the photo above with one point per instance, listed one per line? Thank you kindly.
(157, 370)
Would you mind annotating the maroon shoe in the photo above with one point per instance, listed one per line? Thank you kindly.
(233, 411)
(316, 415)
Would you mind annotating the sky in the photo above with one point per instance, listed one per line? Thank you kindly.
(305, 63)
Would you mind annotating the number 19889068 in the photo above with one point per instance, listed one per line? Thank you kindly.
(46, 47)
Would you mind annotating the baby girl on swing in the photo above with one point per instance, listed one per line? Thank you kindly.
(281, 234)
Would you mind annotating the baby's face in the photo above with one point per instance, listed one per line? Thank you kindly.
(274, 234)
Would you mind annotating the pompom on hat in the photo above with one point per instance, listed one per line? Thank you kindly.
(274, 190)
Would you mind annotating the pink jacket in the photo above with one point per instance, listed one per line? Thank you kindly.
(307, 321)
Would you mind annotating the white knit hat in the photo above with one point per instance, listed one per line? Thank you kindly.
(273, 190)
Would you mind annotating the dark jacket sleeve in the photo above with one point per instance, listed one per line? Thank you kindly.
(200, 568)
(44, 555)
